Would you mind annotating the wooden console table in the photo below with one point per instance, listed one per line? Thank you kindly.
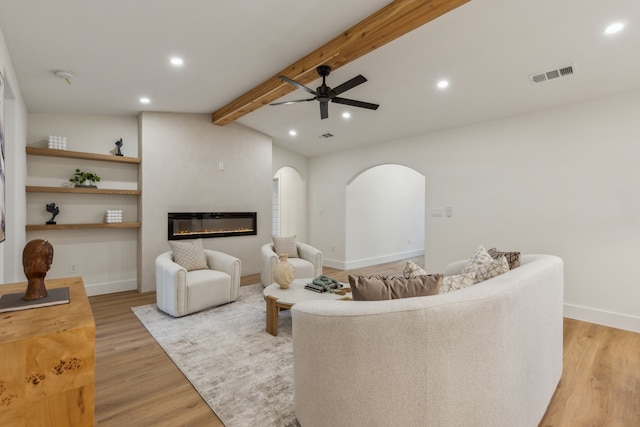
(47, 361)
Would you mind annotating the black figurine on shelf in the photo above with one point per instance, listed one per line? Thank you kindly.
(119, 144)
(53, 210)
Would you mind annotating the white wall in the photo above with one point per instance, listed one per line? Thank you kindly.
(293, 204)
(180, 157)
(283, 157)
(85, 132)
(106, 259)
(292, 169)
(384, 217)
(562, 181)
(15, 162)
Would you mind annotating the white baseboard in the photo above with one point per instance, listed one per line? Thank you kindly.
(601, 317)
(350, 265)
(111, 287)
(328, 262)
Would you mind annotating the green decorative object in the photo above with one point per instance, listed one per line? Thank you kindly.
(79, 178)
(327, 283)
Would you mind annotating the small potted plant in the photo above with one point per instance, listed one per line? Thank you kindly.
(79, 178)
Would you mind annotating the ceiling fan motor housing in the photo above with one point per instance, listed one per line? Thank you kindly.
(324, 91)
(324, 94)
(323, 70)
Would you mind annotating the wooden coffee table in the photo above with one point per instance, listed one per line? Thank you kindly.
(283, 299)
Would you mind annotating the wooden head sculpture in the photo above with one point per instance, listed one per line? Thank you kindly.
(37, 258)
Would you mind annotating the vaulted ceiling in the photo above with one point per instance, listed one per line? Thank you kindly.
(119, 51)
(385, 25)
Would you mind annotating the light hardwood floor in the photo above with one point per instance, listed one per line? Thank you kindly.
(138, 384)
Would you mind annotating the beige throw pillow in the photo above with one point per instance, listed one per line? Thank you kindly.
(412, 269)
(376, 288)
(189, 254)
(459, 281)
(285, 246)
(479, 257)
(489, 269)
(513, 258)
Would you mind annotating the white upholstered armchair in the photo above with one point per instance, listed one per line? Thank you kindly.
(180, 292)
(307, 264)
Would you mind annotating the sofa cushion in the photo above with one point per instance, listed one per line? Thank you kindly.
(285, 245)
(487, 270)
(412, 269)
(189, 254)
(207, 288)
(458, 281)
(513, 258)
(376, 288)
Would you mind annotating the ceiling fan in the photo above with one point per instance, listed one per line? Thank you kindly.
(324, 93)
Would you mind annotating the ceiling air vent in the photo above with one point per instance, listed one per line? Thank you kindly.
(326, 135)
(552, 74)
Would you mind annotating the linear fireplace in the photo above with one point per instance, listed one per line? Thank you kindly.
(194, 225)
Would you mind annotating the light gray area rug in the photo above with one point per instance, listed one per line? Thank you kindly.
(241, 371)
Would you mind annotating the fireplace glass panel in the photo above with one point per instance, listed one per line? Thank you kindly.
(194, 225)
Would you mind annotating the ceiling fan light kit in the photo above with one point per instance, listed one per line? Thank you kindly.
(324, 94)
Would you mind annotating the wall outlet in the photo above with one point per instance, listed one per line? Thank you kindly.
(333, 248)
(73, 268)
(448, 211)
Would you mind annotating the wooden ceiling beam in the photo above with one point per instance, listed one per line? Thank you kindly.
(387, 24)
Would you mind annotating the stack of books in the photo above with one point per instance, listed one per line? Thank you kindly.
(314, 288)
(321, 288)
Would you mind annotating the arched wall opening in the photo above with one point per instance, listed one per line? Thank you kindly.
(385, 215)
(289, 204)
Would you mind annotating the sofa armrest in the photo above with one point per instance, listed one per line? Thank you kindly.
(229, 264)
(269, 261)
(349, 356)
(313, 255)
(221, 261)
(169, 271)
(171, 280)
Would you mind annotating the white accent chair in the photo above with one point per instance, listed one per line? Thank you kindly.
(180, 292)
(308, 263)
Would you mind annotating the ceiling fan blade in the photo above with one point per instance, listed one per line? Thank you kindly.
(350, 84)
(292, 102)
(295, 83)
(324, 109)
(355, 103)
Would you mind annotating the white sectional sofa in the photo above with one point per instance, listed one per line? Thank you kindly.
(488, 355)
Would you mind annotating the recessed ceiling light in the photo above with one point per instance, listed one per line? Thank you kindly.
(346, 115)
(144, 100)
(443, 84)
(614, 28)
(176, 61)
(293, 132)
